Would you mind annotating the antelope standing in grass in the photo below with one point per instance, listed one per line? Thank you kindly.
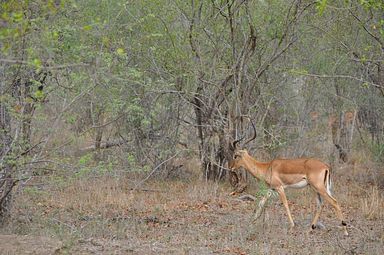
(280, 174)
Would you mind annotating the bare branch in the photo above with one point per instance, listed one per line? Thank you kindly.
(23, 62)
(342, 77)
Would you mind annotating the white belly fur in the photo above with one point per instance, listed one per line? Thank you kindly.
(298, 185)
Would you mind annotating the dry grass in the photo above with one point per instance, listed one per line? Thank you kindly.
(372, 204)
(104, 216)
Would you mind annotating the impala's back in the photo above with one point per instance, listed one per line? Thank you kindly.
(299, 166)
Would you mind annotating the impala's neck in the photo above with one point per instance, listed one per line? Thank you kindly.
(256, 168)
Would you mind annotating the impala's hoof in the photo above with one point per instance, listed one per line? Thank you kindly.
(344, 224)
(318, 225)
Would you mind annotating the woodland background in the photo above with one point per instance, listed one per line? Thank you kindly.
(116, 119)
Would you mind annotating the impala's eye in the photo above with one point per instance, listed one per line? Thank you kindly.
(236, 156)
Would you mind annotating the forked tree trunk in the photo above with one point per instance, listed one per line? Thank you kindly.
(212, 155)
(210, 168)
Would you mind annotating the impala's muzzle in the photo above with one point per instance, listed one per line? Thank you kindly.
(231, 167)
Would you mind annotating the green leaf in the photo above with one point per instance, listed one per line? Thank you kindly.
(320, 6)
(120, 52)
(39, 94)
(37, 63)
(55, 35)
(17, 17)
(87, 27)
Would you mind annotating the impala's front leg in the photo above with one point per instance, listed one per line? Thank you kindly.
(283, 198)
(261, 205)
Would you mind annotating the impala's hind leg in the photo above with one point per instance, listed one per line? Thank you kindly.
(335, 205)
(319, 208)
(324, 190)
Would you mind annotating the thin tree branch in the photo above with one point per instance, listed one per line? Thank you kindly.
(342, 77)
(23, 62)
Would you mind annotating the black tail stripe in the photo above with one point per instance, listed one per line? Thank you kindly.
(325, 177)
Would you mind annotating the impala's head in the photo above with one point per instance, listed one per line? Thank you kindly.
(239, 155)
(238, 160)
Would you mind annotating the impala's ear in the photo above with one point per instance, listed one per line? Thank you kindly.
(236, 145)
(233, 146)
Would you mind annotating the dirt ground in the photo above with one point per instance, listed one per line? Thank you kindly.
(104, 216)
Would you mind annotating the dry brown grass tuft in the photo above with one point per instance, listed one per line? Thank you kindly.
(372, 204)
(93, 196)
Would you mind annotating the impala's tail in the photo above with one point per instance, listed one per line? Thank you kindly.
(328, 182)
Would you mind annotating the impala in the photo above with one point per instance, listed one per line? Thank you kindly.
(280, 174)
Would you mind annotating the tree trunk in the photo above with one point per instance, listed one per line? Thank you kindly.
(212, 155)
(6, 178)
(99, 129)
